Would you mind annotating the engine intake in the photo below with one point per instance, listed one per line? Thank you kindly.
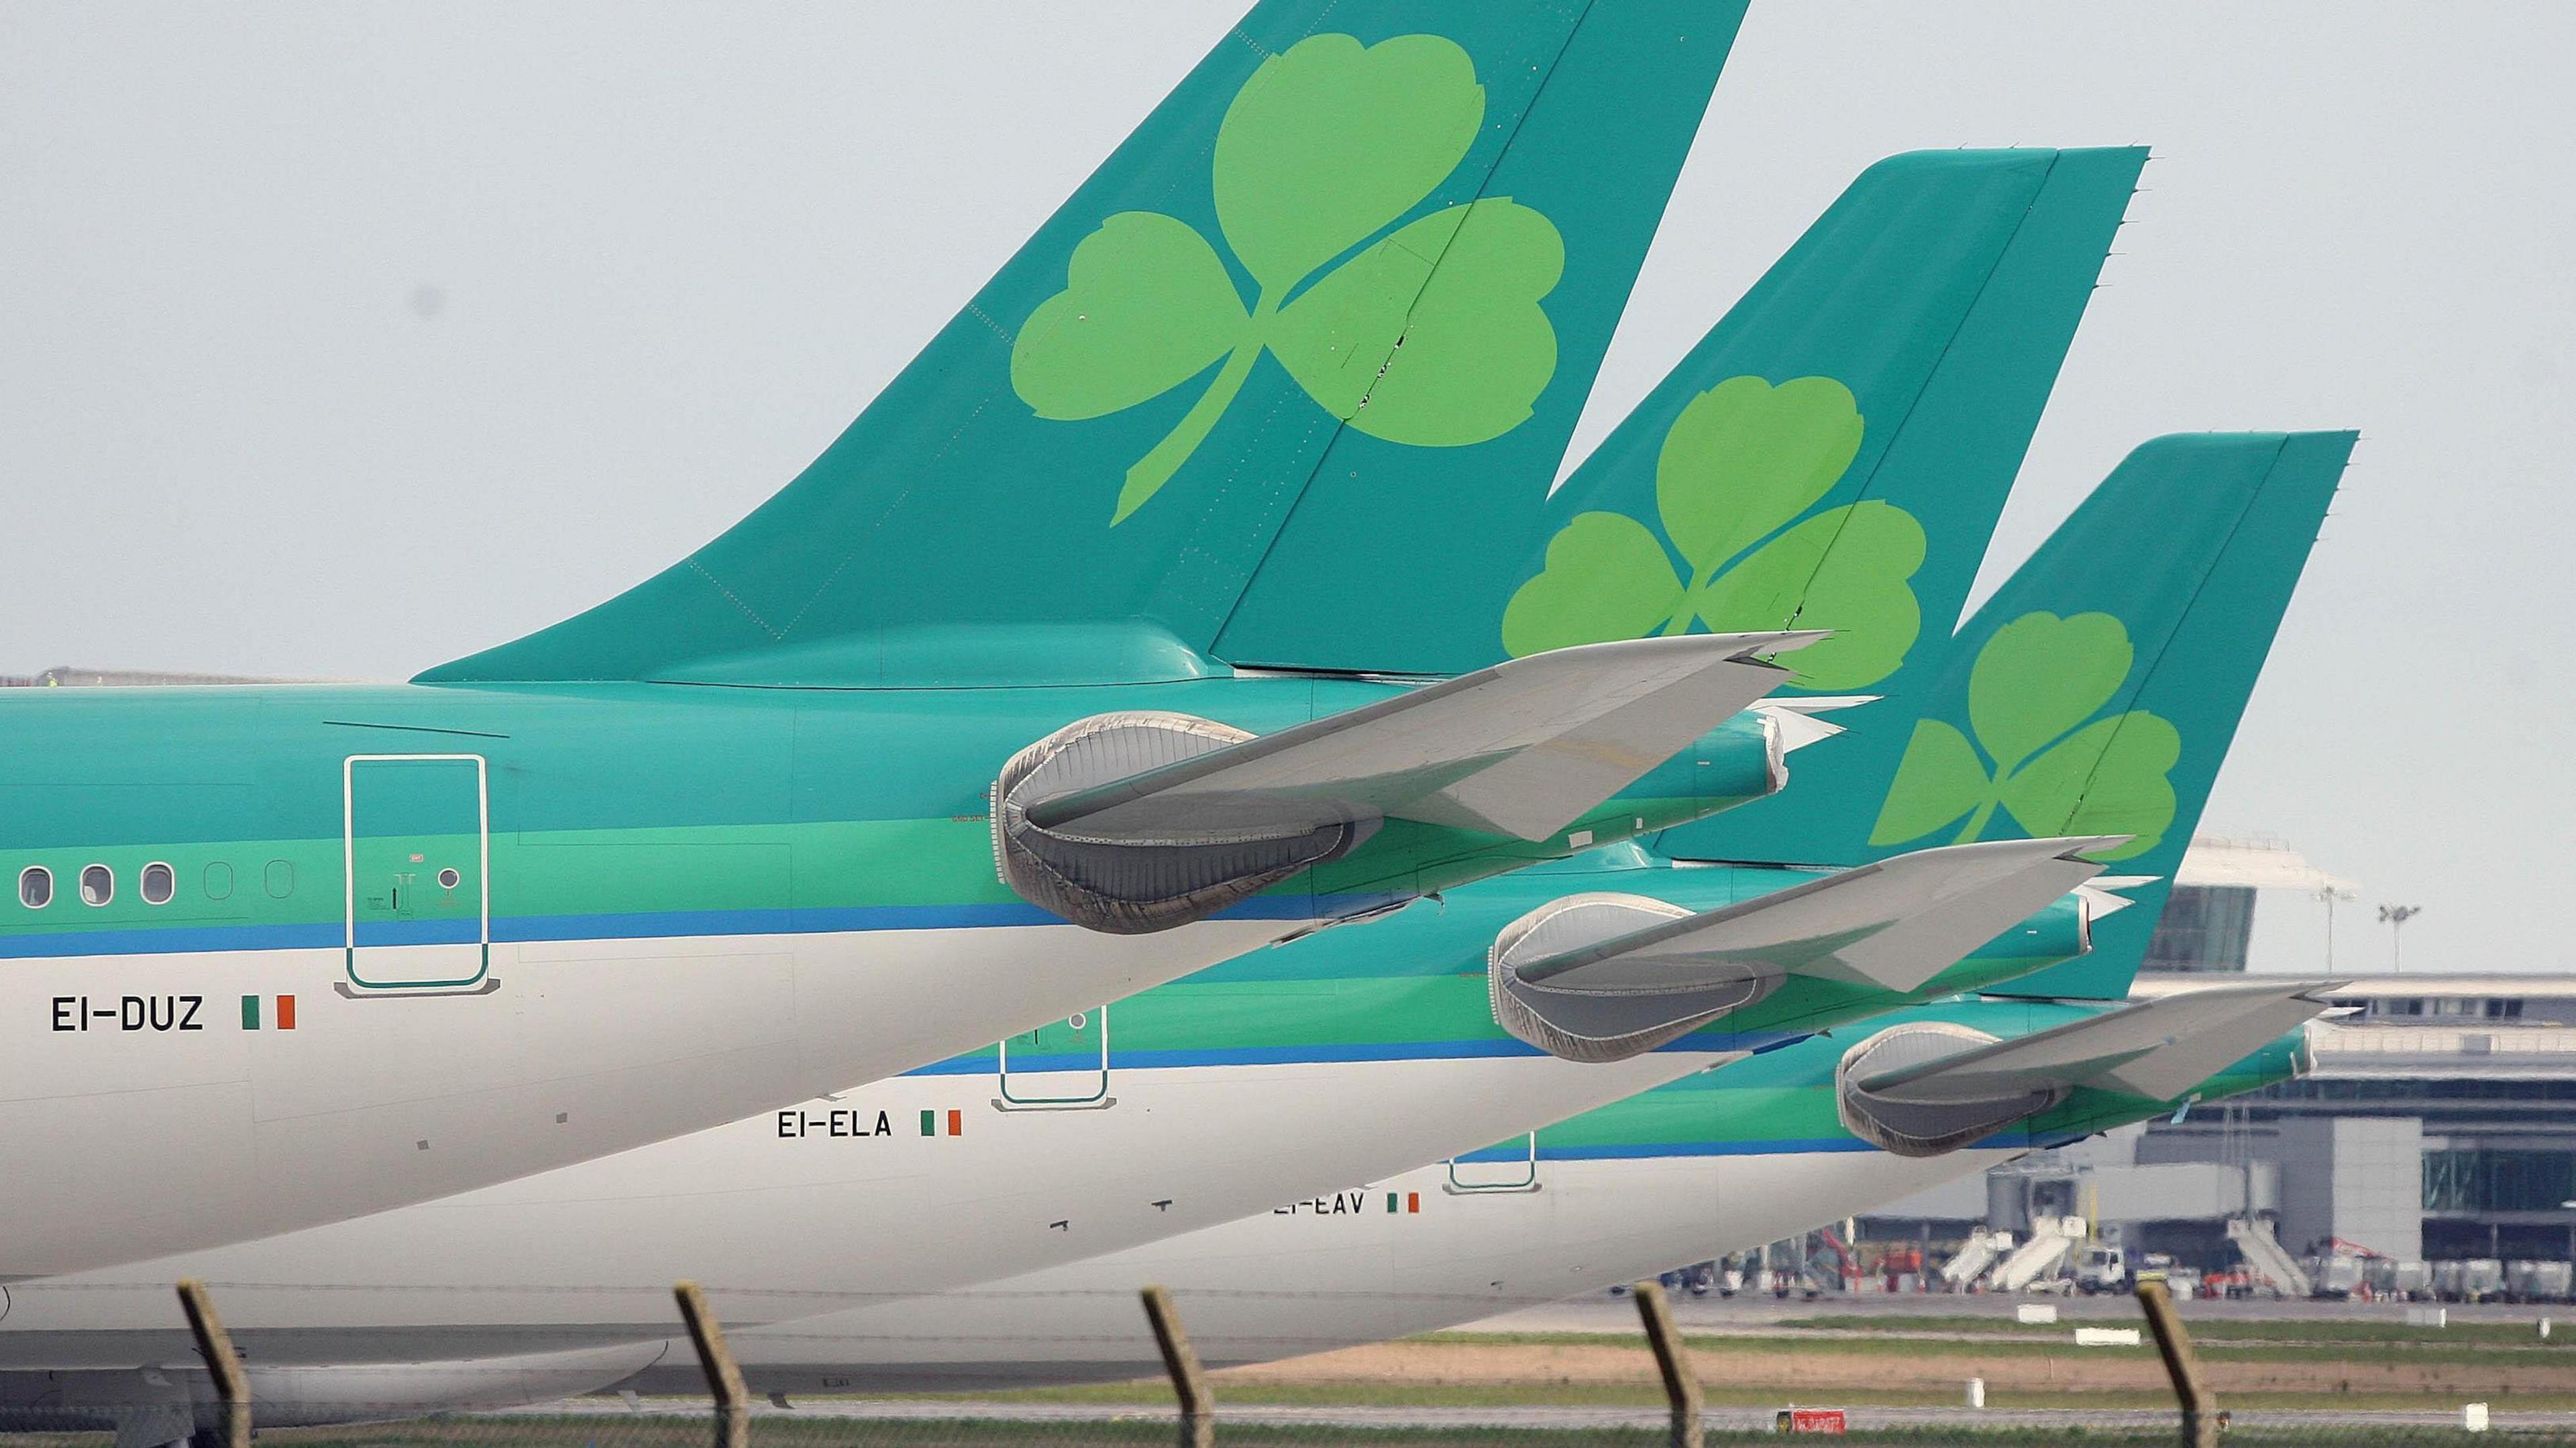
(1125, 885)
(1918, 1118)
(1548, 991)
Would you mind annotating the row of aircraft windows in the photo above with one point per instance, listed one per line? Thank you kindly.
(97, 885)
(157, 883)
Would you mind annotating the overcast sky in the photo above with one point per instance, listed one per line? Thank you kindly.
(340, 340)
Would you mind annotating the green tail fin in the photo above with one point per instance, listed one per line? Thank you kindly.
(1388, 237)
(2097, 691)
(1834, 452)
(1953, 277)
(1942, 292)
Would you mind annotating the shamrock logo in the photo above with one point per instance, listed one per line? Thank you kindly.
(1324, 147)
(1741, 464)
(2035, 682)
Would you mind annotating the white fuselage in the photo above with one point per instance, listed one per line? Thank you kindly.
(186, 1100)
(824, 1206)
(1297, 1280)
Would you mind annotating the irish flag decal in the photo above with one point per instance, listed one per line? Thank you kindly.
(284, 1014)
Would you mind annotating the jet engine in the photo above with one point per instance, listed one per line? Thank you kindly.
(1217, 851)
(1552, 986)
(1885, 1100)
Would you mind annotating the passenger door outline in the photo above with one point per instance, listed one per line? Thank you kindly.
(1088, 1094)
(480, 955)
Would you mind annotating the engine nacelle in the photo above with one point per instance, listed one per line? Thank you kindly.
(1911, 1122)
(1613, 1008)
(1124, 885)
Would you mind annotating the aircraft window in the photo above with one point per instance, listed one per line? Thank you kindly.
(279, 877)
(98, 884)
(35, 887)
(158, 884)
(219, 881)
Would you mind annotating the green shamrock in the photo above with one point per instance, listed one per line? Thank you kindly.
(1740, 465)
(1433, 336)
(2035, 682)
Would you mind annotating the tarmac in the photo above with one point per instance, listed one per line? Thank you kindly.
(1761, 1313)
(1566, 1419)
(1715, 1315)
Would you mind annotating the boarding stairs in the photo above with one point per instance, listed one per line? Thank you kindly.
(2265, 1256)
(1974, 1258)
(2051, 1239)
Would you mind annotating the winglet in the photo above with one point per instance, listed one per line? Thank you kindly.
(1799, 718)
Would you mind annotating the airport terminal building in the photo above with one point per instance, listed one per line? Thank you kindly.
(2438, 1123)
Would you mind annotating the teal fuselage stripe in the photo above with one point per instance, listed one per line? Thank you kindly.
(1787, 1146)
(1660, 1150)
(1328, 1053)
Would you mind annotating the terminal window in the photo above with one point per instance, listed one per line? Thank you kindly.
(2498, 1181)
(2204, 927)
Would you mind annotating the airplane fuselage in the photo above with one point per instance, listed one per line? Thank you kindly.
(1721, 1162)
(1347, 1055)
(286, 955)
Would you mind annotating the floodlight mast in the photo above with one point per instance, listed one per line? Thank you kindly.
(2395, 918)
(2330, 893)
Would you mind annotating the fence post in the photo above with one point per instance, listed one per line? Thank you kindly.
(1189, 1380)
(724, 1375)
(2201, 1419)
(1681, 1385)
(232, 1385)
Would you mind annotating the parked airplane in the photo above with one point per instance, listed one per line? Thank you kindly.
(1215, 1096)
(1719, 1162)
(1729, 1159)
(287, 955)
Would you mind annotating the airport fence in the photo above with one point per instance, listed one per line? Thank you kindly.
(1893, 1369)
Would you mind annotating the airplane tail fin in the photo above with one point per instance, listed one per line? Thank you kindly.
(1604, 977)
(1835, 450)
(1921, 1090)
(1375, 238)
(1948, 461)
(2098, 690)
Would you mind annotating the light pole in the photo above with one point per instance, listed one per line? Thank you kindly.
(2395, 918)
(2330, 894)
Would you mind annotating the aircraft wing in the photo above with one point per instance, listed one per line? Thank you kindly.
(1893, 925)
(2157, 1049)
(1522, 749)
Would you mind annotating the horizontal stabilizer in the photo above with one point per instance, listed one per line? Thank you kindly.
(1522, 749)
(2157, 1049)
(1601, 978)
(1134, 822)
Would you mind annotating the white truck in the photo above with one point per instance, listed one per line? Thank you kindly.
(2102, 1268)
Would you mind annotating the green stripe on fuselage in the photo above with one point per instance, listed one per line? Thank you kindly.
(1414, 981)
(641, 800)
(1785, 1099)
